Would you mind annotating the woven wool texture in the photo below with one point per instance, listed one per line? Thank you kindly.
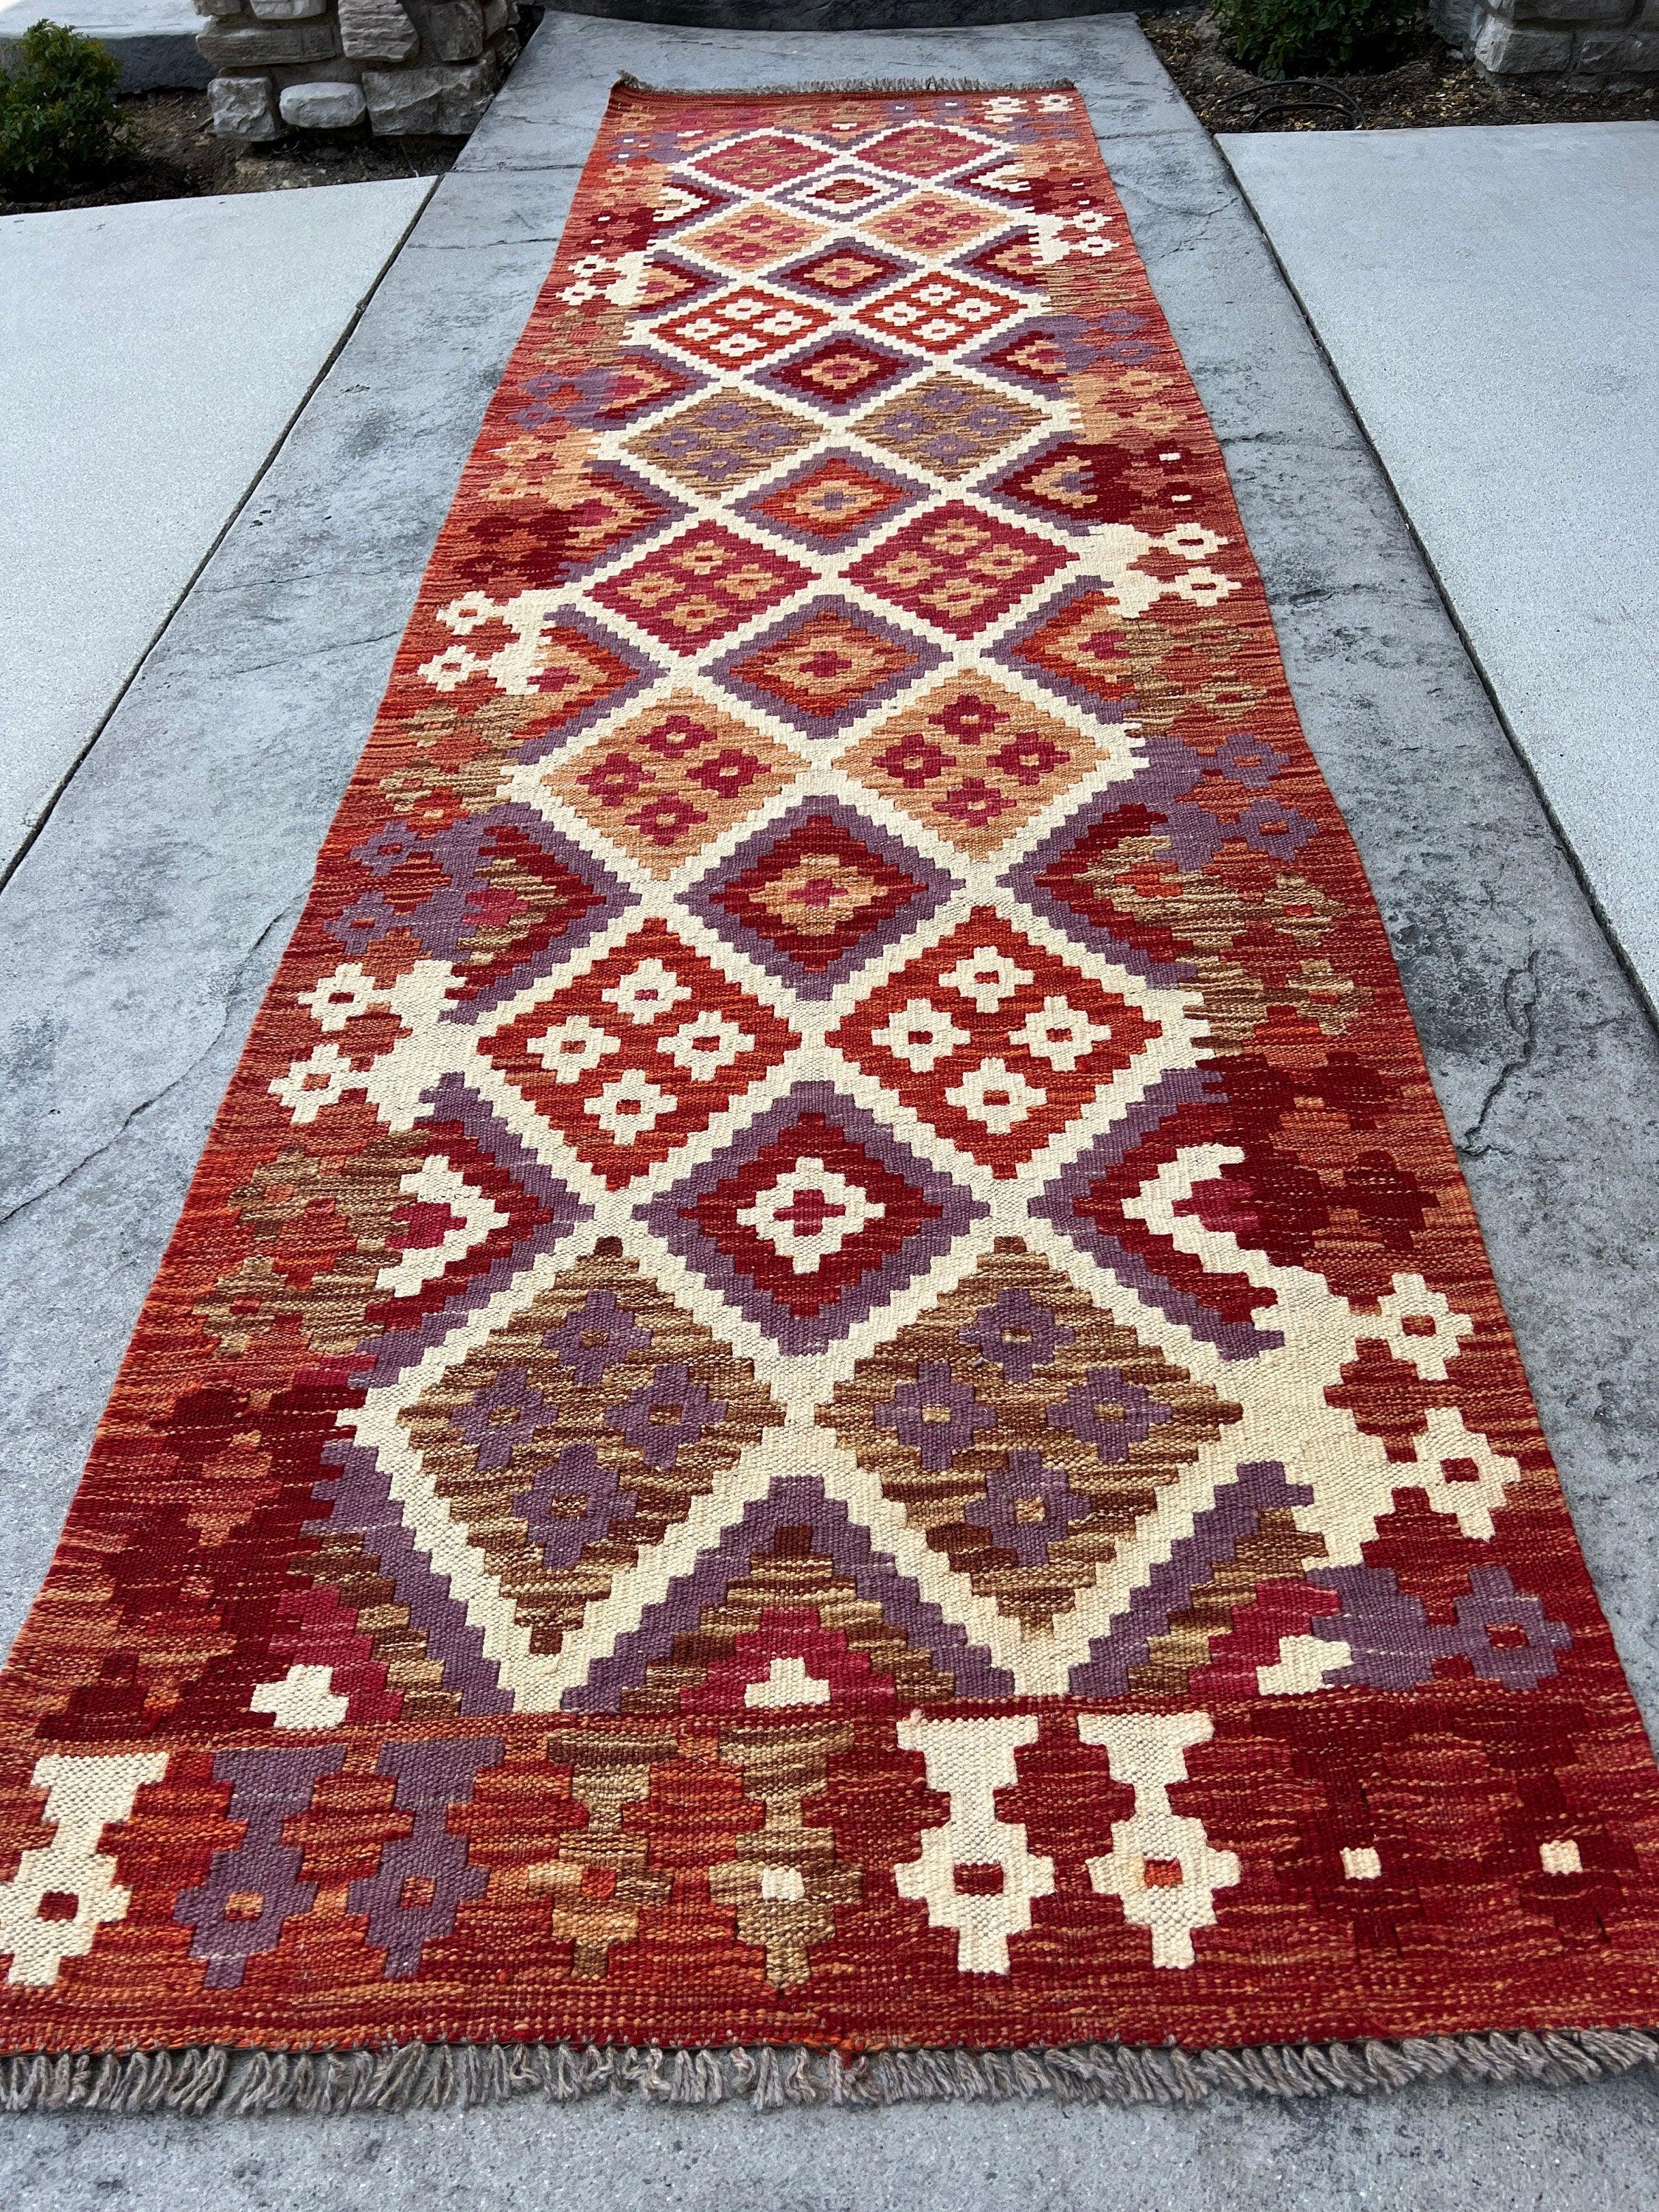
(828, 1381)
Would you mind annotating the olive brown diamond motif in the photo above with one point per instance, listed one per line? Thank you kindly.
(1023, 1430)
(722, 441)
(948, 425)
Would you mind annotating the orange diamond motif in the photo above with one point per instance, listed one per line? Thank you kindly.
(671, 780)
(973, 761)
(700, 586)
(753, 238)
(958, 568)
(932, 223)
(921, 149)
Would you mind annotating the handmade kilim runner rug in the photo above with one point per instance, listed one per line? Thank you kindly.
(828, 1416)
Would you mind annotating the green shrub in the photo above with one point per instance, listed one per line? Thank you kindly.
(1302, 38)
(59, 126)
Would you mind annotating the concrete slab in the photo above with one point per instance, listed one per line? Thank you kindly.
(1487, 298)
(154, 40)
(137, 937)
(153, 357)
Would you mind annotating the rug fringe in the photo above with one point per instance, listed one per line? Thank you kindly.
(211, 2079)
(838, 87)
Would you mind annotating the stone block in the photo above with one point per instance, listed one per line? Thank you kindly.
(334, 104)
(1515, 49)
(218, 7)
(287, 11)
(244, 107)
(378, 31)
(497, 14)
(452, 30)
(1458, 22)
(1557, 13)
(248, 45)
(1632, 52)
(447, 98)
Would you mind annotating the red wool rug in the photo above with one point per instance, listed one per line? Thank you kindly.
(828, 1416)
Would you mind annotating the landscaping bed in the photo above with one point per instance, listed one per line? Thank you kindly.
(171, 153)
(1425, 83)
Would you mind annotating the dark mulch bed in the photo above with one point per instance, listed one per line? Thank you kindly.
(171, 154)
(1423, 83)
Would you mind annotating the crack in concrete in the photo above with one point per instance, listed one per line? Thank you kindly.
(1521, 993)
(133, 1112)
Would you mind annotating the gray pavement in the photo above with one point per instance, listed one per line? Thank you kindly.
(1489, 300)
(154, 40)
(151, 358)
(141, 925)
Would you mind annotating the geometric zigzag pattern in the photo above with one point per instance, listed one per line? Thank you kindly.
(829, 1379)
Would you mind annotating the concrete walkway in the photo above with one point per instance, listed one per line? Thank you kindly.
(138, 933)
(1490, 302)
(154, 40)
(153, 357)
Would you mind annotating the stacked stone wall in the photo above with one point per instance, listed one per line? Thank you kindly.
(426, 67)
(1512, 37)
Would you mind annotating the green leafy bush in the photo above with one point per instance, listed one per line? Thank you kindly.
(59, 126)
(1304, 38)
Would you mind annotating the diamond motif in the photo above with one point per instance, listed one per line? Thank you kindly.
(1023, 1431)
(841, 194)
(812, 1218)
(922, 150)
(832, 500)
(996, 1041)
(1074, 648)
(722, 441)
(939, 312)
(753, 237)
(671, 780)
(624, 1085)
(932, 224)
(846, 269)
(843, 373)
(760, 161)
(812, 898)
(948, 425)
(825, 666)
(973, 761)
(698, 587)
(958, 568)
(579, 1432)
(742, 327)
